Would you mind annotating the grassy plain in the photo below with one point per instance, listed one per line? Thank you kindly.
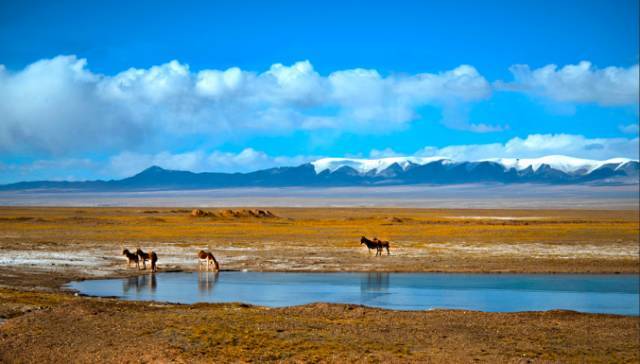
(327, 239)
(40, 322)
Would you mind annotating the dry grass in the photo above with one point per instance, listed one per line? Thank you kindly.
(61, 328)
(328, 238)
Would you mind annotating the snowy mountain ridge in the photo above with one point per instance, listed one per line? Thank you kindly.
(562, 163)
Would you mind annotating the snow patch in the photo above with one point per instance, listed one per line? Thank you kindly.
(559, 162)
(369, 165)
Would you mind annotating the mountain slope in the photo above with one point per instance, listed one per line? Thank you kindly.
(362, 172)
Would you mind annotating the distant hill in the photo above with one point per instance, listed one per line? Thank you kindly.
(329, 172)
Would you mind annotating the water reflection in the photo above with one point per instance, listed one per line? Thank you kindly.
(206, 281)
(140, 283)
(374, 284)
(405, 291)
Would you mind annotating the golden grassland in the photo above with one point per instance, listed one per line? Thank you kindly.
(41, 322)
(327, 239)
(323, 225)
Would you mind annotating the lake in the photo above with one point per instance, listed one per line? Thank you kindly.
(615, 294)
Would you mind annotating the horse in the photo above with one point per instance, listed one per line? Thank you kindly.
(131, 258)
(371, 244)
(152, 256)
(208, 259)
(144, 257)
(154, 261)
(382, 244)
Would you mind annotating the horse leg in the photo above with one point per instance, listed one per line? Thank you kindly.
(388, 253)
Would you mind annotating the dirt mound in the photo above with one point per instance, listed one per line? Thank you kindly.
(234, 214)
(199, 213)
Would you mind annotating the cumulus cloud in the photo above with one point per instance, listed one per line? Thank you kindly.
(59, 105)
(579, 83)
(629, 128)
(248, 160)
(383, 153)
(54, 105)
(537, 145)
(67, 169)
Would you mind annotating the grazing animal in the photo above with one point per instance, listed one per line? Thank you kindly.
(154, 261)
(152, 256)
(144, 257)
(382, 244)
(208, 259)
(371, 244)
(131, 258)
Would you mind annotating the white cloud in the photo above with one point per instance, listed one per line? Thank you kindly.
(538, 145)
(54, 105)
(248, 160)
(579, 83)
(629, 128)
(60, 106)
(383, 153)
(69, 169)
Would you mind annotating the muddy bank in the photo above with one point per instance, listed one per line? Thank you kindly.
(59, 328)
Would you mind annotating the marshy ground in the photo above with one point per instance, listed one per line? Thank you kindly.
(43, 248)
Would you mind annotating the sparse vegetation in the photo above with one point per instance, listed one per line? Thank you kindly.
(55, 326)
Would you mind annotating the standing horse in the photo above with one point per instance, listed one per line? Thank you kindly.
(152, 256)
(382, 244)
(371, 244)
(131, 258)
(154, 262)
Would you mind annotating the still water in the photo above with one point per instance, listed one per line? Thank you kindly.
(617, 294)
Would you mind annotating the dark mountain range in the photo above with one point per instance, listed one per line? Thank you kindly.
(358, 172)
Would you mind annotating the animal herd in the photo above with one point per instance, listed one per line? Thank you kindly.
(208, 260)
(204, 257)
(138, 256)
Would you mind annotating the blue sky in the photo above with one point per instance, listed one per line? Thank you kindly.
(94, 90)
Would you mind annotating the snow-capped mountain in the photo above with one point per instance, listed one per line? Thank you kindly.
(365, 166)
(561, 163)
(370, 172)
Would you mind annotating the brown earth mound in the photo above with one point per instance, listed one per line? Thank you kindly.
(233, 214)
(199, 213)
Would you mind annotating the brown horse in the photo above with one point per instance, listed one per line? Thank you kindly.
(208, 259)
(154, 261)
(382, 244)
(153, 257)
(371, 244)
(131, 258)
